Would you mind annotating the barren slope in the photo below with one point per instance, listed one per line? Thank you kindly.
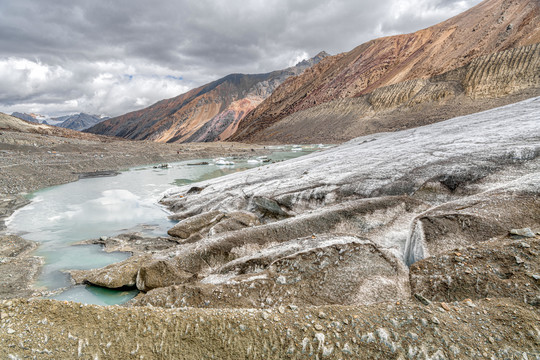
(492, 26)
(12, 123)
(204, 113)
(486, 82)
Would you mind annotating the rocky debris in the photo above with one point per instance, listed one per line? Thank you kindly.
(160, 273)
(479, 162)
(327, 270)
(235, 221)
(351, 212)
(498, 329)
(94, 174)
(214, 222)
(376, 218)
(8, 204)
(475, 219)
(31, 161)
(364, 168)
(267, 207)
(161, 166)
(18, 270)
(193, 225)
(422, 299)
(496, 268)
(14, 246)
(133, 243)
(526, 233)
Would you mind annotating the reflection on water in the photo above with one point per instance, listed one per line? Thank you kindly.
(90, 208)
(96, 295)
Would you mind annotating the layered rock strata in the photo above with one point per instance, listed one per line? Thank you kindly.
(488, 28)
(486, 82)
(211, 112)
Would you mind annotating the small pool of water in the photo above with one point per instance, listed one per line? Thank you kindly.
(60, 216)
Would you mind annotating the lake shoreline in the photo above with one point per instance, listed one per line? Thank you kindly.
(32, 162)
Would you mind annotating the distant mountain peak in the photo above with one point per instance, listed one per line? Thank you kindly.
(321, 55)
(80, 121)
(314, 60)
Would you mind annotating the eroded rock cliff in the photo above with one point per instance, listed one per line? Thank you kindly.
(488, 28)
(486, 82)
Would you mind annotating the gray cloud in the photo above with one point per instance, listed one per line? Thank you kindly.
(111, 57)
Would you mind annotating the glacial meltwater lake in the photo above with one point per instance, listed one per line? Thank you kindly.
(60, 216)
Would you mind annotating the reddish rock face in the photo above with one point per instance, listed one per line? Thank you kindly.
(492, 26)
(208, 113)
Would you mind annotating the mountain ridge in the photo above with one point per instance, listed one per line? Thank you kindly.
(180, 118)
(489, 27)
(486, 82)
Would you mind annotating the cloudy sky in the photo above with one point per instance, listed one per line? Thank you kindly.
(114, 56)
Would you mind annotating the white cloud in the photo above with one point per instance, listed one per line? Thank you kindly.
(106, 57)
(110, 88)
(22, 77)
(297, 57)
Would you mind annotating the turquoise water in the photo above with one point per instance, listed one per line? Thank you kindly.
(60, 216)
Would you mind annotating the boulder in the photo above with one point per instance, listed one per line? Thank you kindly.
(119, 275)
(267, 207)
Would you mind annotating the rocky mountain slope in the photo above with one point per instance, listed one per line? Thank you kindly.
(34, 156)
(79, 121)
(12, 123)
(208, 113)
(488, 28)
(27, 117)
(486, 82)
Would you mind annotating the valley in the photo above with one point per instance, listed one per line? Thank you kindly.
(381, 203)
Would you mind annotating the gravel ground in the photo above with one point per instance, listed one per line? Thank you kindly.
(45, 329)
(29, 162)
(459, 328)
